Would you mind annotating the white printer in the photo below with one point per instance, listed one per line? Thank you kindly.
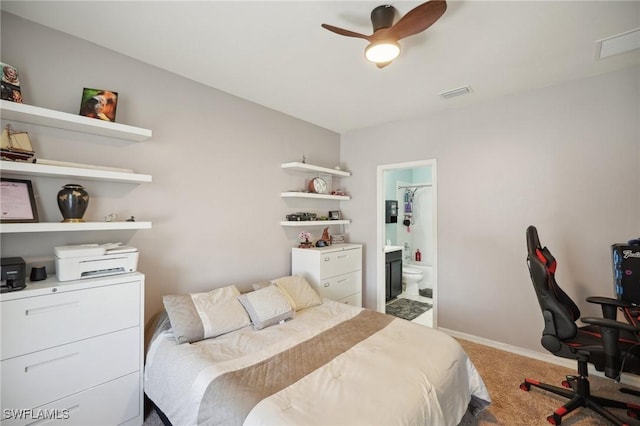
(94, 260)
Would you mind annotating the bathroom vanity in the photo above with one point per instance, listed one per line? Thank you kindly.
(393, 272)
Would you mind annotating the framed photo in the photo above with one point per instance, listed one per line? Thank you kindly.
(10, 84)
(335, 215)
(100, 104)
(17, 201)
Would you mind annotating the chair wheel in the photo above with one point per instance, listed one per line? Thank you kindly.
(566, 384)
(554, 419)
(525, 386)
(633, 414)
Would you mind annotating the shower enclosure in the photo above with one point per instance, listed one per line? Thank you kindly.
(414, 231)
(413, 186)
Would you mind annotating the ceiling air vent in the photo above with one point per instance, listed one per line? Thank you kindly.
(618, 44)
(456, 92)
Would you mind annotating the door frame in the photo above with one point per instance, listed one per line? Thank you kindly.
(380, 226)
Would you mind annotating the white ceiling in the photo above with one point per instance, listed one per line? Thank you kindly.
(277, 55)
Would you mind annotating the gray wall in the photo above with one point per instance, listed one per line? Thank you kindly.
(215, 160)
(564, 158)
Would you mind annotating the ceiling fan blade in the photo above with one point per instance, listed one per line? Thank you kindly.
(418, 19)
(345, 32)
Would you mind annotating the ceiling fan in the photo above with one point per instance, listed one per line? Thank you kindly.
(383, 45)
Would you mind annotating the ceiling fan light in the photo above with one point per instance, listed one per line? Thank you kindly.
(382, 51)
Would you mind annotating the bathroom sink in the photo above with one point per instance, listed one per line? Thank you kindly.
(389, 249)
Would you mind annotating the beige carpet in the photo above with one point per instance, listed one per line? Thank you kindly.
(503, 372)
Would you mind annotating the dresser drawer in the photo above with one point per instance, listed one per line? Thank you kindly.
(34, 323)
(353, 300)
(336, 288)
(112, 403)
(40, 377)
(340, 262)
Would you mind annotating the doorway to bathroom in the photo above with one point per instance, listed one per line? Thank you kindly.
(407, 230)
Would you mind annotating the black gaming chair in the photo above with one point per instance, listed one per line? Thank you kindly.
(598, 343)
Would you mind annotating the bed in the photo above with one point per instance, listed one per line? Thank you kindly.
(319, 363)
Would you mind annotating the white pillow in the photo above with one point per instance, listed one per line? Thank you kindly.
(266, 306)
(198, 316)
(258, 286)
(300, 293)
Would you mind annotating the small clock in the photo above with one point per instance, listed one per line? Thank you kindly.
(318, 185)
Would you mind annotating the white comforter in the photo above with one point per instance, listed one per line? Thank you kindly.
(404, 374)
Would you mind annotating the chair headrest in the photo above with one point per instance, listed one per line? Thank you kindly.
(536, 251)
(533, 243)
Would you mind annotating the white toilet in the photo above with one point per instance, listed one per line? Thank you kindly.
(410, 278)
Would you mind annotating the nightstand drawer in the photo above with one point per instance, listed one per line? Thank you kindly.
(34, 323)
(35, 379)
(112, 403)
(336, 288)
(340, 262)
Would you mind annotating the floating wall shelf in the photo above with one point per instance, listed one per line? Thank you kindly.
(294, 194)
(30, 169)
(315, 170)
(12, 228)
(62, 120)
(310, 168)
(315, 222)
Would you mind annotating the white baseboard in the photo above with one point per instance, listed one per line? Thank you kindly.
(627, 379)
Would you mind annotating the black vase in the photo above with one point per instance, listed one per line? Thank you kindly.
(73, 201)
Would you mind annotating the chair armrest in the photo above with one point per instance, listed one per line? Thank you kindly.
(609, 323)
(609, 305)
(609, 335)
(609, 301)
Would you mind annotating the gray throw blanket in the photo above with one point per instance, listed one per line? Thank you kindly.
(235, 393)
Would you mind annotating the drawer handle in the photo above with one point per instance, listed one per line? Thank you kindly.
(49, 361)
(327, 284)
(57, 415)
(326, 259)
(343, 280)
(344, 255)
(45, 309)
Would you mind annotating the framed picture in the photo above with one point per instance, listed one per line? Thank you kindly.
(17, 201)
(335, 215)
(10, 84)
(100, 104)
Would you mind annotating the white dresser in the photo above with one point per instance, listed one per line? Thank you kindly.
(73, 351)
(335, 272)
